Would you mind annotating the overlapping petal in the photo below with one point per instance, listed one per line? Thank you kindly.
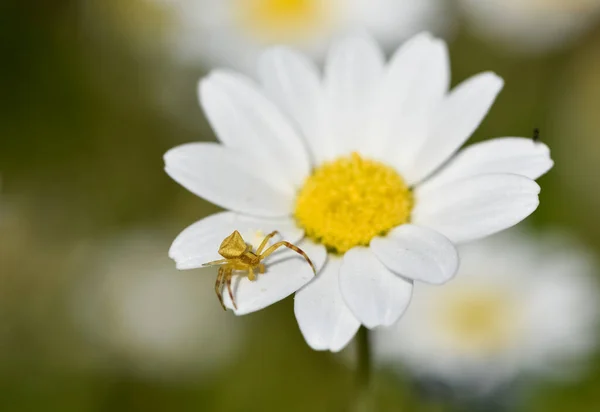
(416, 80)
(417, 253)
(353, 71)
(323, 317)
(293, 82)
(475, 207)
(245, 119)
(455, 120)
(376, 296)
(232, 179)
(286, 272)
(199, 243)
(515, 155)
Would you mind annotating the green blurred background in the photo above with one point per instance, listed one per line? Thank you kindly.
(88, 108)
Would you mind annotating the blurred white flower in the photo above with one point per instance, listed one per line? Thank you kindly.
(365, 163)
(531, 25)
(145, 316)
(233, 32)
(519, 306)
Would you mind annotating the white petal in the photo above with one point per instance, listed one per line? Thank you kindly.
(199, 243)
(324, 319)
(456, 119)
(393, 21)
(244, 119)
(376, 296)
(353, 72)
(514, 155)
(293, 82)
(475, 207)
(417, 253)
(287, 272)
(417, 79)
(230, 178)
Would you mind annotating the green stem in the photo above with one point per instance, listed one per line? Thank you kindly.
(363, 370)
(362, 400)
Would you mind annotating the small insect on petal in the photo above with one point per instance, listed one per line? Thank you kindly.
(239, 257)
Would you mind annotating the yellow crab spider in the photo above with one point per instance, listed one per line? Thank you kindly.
(238, 256)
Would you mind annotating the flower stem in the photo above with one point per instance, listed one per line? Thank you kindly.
(362, 401)
(363, 370)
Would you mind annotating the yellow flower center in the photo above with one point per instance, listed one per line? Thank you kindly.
(477, 319)
(281, 20)
(349, 201)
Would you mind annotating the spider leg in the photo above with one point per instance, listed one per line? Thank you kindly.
(218, 287)
(228, 276)
(265, 241)
(289, 246)
(251, 275)
(215, 262)
(261, 268)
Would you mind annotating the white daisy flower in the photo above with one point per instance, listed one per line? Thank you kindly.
(361, 163)
(234, 32)
(144, 316)
(519, 305)
(531, 25)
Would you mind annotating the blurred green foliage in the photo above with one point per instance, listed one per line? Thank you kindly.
(83, 127)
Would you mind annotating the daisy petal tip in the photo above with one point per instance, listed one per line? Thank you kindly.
(533, 185)
(427, 38)
(418, 253)
(374, 294)
(185, 265)
(441, 43)
(542, 147)
(495, 81)
(236, 310)
(425, 34)
(382, 323)
(315, 340)
(170, 156)
(217, 74)
(449, 274)
(321, 346)
(535, 203)
(323, 317)
(215, 82)
(549, 166)
(206, 84)
(337, 347)
(315, 343)
(544, 150)
(175, 155)
(203, 89)
(392, 318)
(203, 81)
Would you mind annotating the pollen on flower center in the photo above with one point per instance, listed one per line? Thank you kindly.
(347, 202)
(277, 19)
